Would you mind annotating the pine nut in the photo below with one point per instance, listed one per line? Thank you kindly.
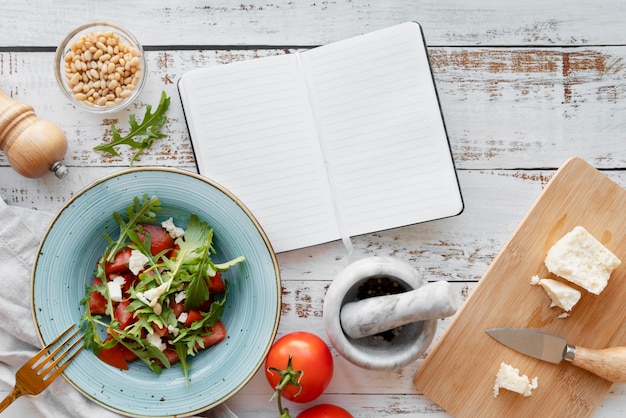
(101, 69)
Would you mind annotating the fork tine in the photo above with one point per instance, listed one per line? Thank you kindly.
(39, 372)
(44, 350)
(59, 368)
(39, 362)
(50, 354)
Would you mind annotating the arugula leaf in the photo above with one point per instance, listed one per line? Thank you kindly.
(148, 129)
(181, 350)
(138, 212)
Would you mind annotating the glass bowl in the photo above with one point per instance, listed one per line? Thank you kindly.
(100, 67)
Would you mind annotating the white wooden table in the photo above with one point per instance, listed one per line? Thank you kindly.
(523, 86)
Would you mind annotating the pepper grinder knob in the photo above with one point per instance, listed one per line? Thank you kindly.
(33, 146)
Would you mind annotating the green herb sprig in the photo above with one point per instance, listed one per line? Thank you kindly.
(142, 134)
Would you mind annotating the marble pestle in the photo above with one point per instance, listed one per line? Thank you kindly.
(381, 313)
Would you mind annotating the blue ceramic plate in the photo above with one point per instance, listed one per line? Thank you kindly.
(66, 261)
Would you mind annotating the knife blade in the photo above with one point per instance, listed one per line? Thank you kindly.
(607, 363)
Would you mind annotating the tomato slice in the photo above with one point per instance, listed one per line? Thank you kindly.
(192, 317)
(216, 284)
(129, 356)
(114, 356)
(124, 317)
(160, 238)
(97, 301)
(215, 334)
(119, 265)
(160, 331)
(129, 280)
(171, 355)
(177, 307)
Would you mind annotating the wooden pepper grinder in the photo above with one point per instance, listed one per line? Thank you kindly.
(32, 146)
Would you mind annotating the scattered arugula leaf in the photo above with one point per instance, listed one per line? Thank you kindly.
(148, 129)
(137, 213)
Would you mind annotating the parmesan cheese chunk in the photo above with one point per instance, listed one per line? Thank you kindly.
(562, 295)
(582, 259)
(509, 378)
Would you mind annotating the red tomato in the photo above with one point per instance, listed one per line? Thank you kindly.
(216, 284)
(160, 238)
(115, 356)
(119, 265)
(171, 355)
(177, 307)
(160, 331)
(325, 411)
(129, 280)
(97, 301)
(215, 334)
(309, 354)
(121, 313)
(129, 356)
(192, 317)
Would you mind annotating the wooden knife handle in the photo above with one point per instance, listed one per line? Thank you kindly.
(608, 363)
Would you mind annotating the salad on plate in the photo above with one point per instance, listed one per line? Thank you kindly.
(156, 296)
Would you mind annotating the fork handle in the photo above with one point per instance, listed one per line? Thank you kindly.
(15, 393)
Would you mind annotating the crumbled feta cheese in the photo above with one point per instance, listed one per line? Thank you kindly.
(509, 378)
(153, 294)
(156, 341)
(173, 330)
(180, 296)
(173, 230)
(534, 280)
(115, 288)
(182, 318)
(137, 261)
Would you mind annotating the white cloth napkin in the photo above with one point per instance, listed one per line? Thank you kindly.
(21, 231)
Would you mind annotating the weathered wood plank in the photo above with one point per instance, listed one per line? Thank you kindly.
(504, 108)
(284, 22)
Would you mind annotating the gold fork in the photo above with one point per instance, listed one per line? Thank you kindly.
(38, 372)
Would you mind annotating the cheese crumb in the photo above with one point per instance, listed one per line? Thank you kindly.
(156, 341)
(173, 230)
(562, 295)
(115, 288)
(173, 330)
(582, 259)
(137, 261)
(182, 318)
(180, 296)
(509, 378)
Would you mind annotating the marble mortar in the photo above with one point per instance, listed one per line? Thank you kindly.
(351, 322)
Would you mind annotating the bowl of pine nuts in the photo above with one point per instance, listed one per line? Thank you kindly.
(100, 67)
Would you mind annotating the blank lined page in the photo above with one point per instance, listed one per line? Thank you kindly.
(382, 130)
(253, 133)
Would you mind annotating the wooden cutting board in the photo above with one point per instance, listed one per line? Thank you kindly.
(459, 372)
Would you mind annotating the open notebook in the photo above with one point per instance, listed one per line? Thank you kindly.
(339, 140)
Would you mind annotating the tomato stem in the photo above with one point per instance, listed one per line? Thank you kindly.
(288, 376)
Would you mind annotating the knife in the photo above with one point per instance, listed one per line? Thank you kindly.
(608, 363)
